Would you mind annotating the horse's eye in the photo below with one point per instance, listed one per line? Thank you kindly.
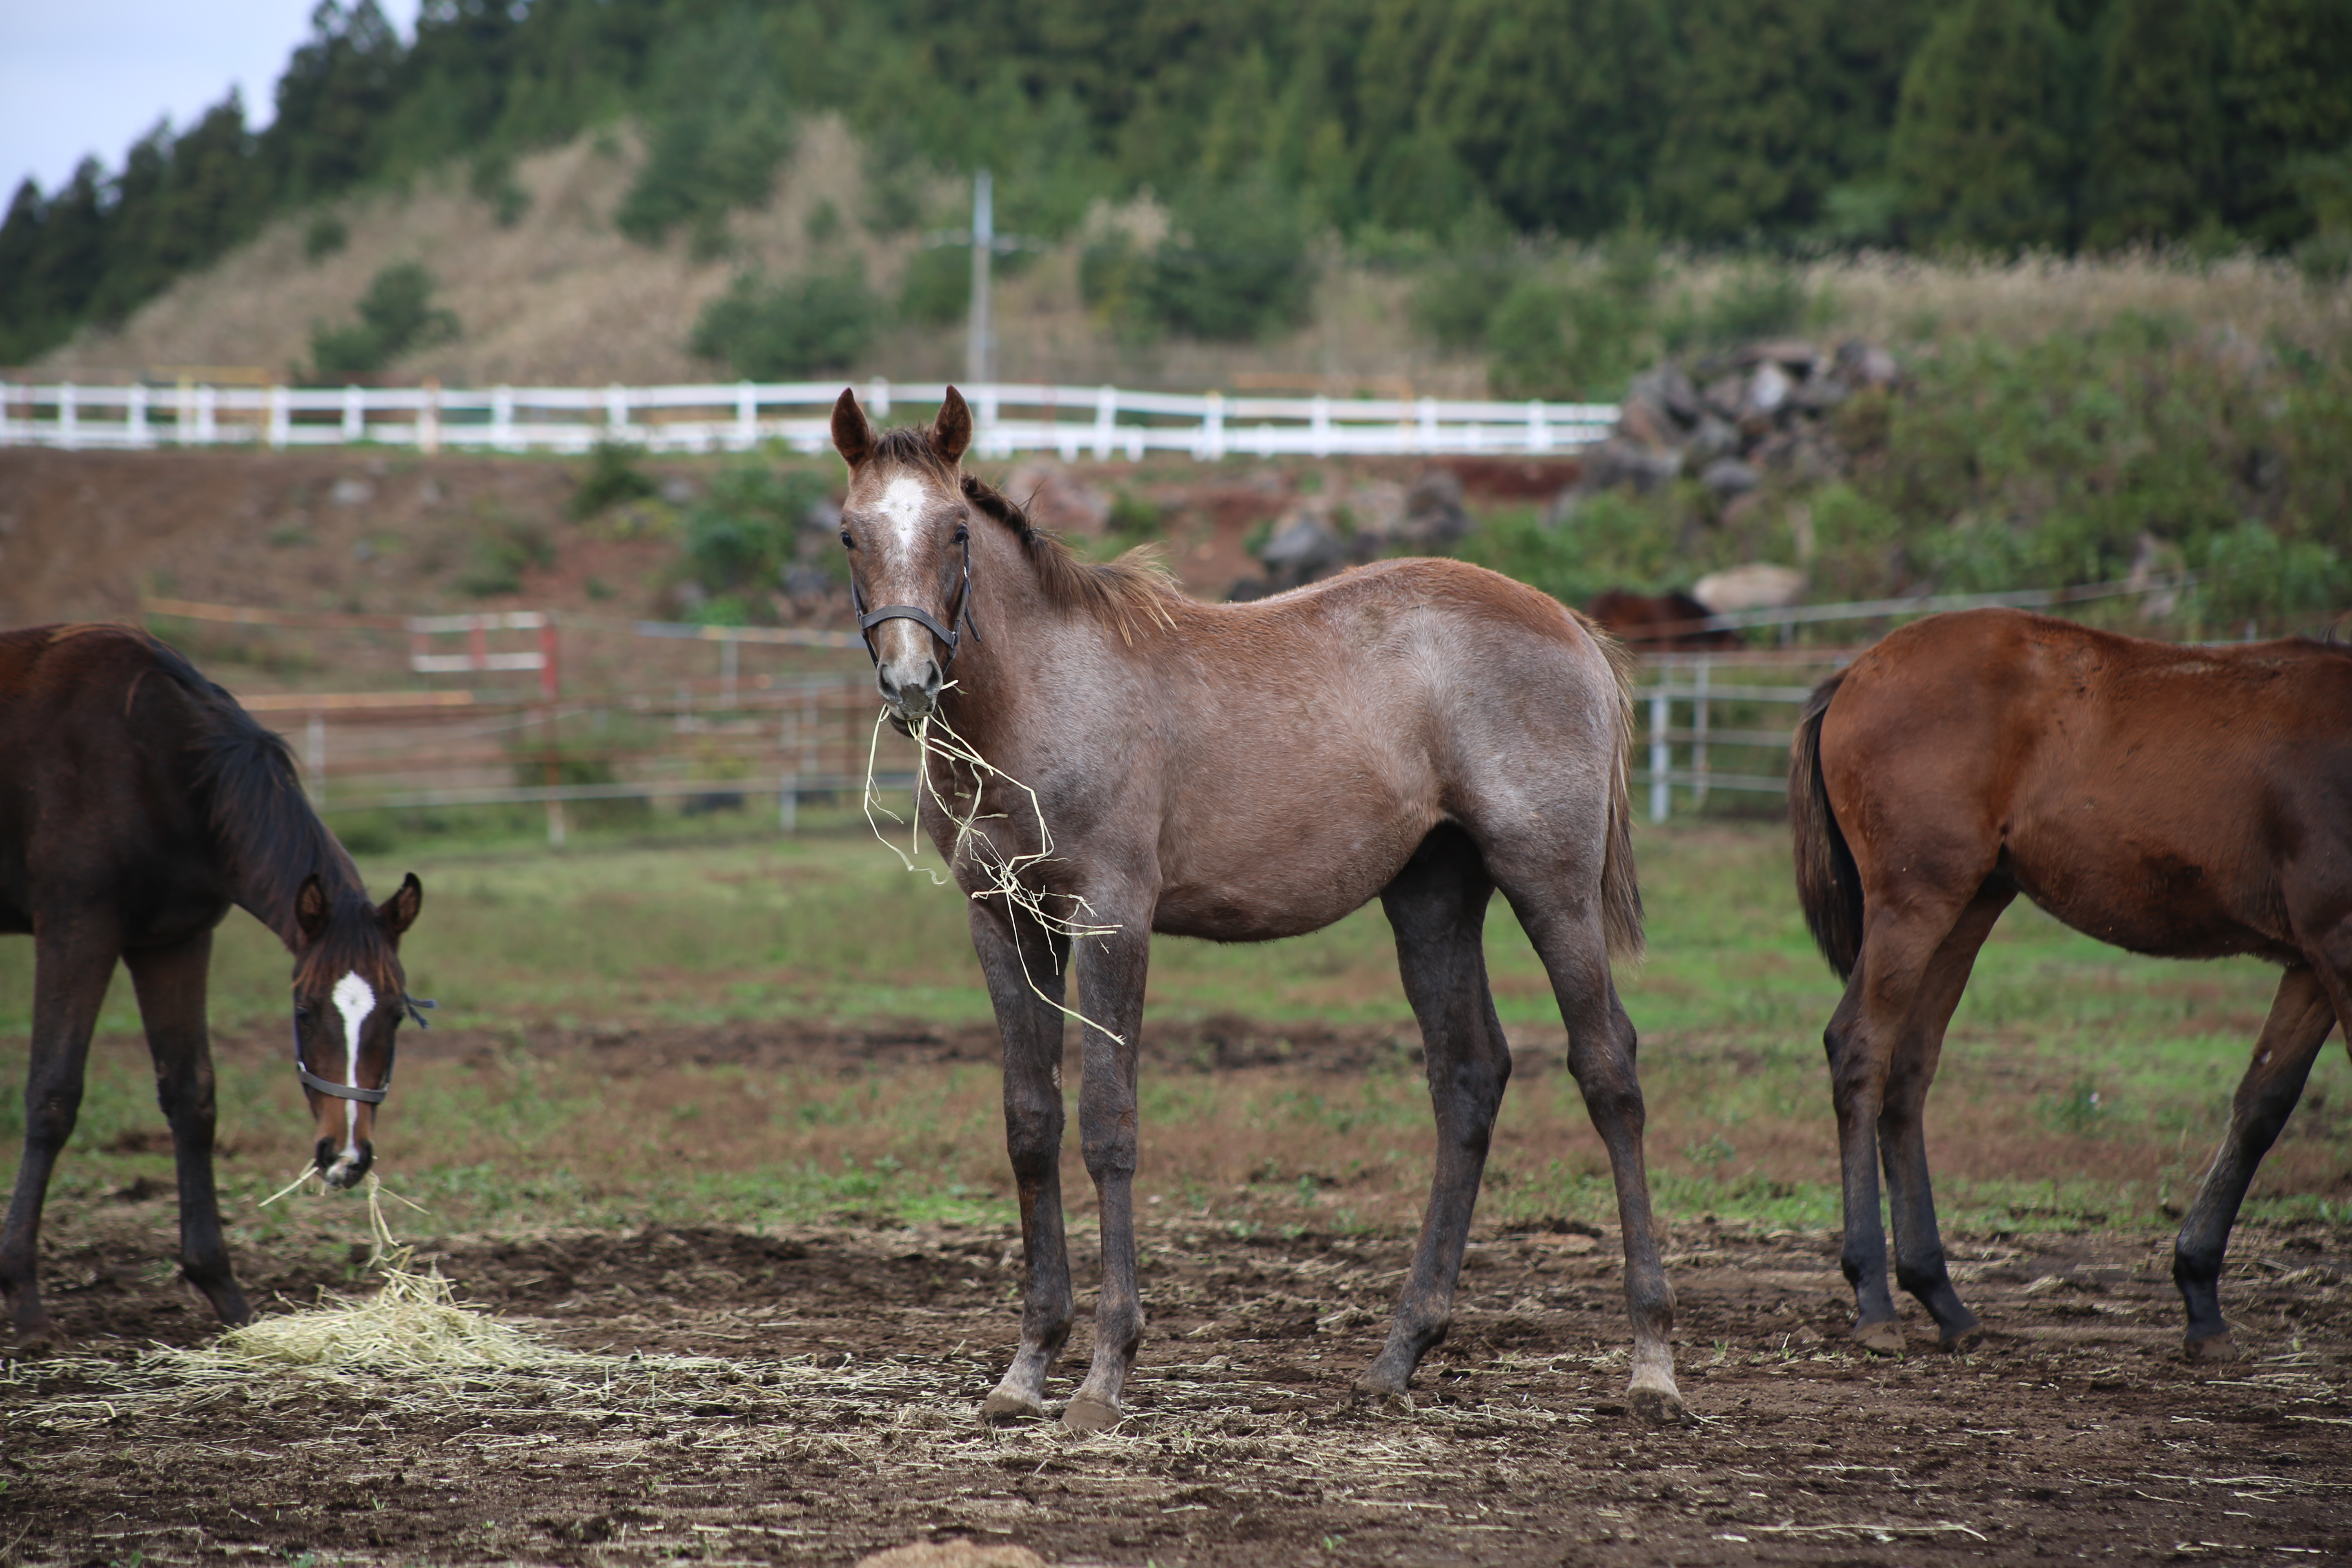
(963, 534)
(847, 542)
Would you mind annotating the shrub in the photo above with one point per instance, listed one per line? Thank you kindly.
(396, 315)
(822, 322)
(1236, 266)
(937, 290)
(741, 536)
(325, 236)
(612, 477)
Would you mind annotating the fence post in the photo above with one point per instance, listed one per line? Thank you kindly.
(788, 803)
(1698, 733)
(428, 418)
(281, 419)
(207, 414)
(136, 416)
(1106, 420)
(314, 759)
(354, 413)
(1428, 435)
(1661, 756)
(502, 435)
(1318, 422)
(616, 413)
(877, 396)
(68, 421)
(1212, 427)
(747, 416)
(1539, 427)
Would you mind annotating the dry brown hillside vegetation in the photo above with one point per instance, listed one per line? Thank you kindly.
(560, 296)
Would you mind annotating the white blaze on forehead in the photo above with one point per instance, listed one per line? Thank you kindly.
(903, 505)
(354, 999)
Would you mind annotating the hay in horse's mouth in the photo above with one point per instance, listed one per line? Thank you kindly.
(935, 737)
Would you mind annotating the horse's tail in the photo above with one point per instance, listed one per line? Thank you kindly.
(1829, 885)
(1621, 889)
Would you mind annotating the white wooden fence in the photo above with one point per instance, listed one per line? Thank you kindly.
(1100, 422)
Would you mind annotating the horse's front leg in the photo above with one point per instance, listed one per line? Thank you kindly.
(1110, 987)
(171, 984)
(1015, 952)
(71, 965)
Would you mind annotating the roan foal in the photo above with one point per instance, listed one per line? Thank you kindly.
(1420, 732)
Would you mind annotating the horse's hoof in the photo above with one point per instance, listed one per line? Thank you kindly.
(1085, 1413)
(2212, 1347)
(1960, 1344)
(1882, 1338)
(1380, 1398)
(1656, 1406)
(1001, 1405)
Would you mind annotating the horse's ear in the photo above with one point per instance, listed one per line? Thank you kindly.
(852, 433)
(398, 912)
(951, 431)
(310, 906)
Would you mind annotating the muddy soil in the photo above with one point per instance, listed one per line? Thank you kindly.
(809, 1396)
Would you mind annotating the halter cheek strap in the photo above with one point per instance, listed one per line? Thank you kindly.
(346, 1091)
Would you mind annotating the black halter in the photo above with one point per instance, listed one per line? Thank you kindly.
(869, 619)
(343, 1090)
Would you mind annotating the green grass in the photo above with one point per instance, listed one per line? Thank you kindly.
(2079, 1082)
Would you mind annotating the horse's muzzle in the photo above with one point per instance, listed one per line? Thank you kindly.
(340, 1171)
(910, 687)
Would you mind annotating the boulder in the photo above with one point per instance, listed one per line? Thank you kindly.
(1756, 585)
(1728, 477)
(1613, 463)
(1667, 386)
(1864, 364)
(1435, 516)
(1768, 387)
(1302, 549)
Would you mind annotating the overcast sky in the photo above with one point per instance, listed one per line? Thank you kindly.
(83, 77)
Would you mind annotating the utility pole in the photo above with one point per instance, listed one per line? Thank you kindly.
(983, 249)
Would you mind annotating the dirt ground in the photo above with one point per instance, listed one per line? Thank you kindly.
(809, 1396)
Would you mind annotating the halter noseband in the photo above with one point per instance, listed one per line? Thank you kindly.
(869, 619)
(346, 1091)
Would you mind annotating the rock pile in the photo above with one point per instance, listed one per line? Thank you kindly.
(1333, 529)
(1728, 420)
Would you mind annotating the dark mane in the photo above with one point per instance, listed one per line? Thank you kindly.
(274, 839)
(1128, 595)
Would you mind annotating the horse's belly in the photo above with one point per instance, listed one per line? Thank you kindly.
(2156, 901)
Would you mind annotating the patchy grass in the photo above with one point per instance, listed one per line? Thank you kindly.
(2082, 1084)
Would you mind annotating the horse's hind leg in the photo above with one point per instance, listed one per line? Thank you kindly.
(1437, 906)
(171, 984)
(1602, 1048)
(71, 967)
(2301, 1015)
(1919, 1264)
(1032, 1031)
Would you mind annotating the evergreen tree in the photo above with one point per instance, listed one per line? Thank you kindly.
(1980, 154)
(1556, 107)
(334, 101)
(2156, 145)
(2286, 100)
(21, 236)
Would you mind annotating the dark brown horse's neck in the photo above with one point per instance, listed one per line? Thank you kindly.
(266, 880)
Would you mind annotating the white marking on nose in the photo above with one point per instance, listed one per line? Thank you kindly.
(354, 999)
(904, 504)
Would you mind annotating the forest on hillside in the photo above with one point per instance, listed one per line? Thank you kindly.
(1419, 126)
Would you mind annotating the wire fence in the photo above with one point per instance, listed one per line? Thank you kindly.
(1100, 422)
(723, 718)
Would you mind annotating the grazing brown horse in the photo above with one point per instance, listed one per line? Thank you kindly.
(1421, 732)
(1672, 622)
(137, 802)
(2187, 802)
